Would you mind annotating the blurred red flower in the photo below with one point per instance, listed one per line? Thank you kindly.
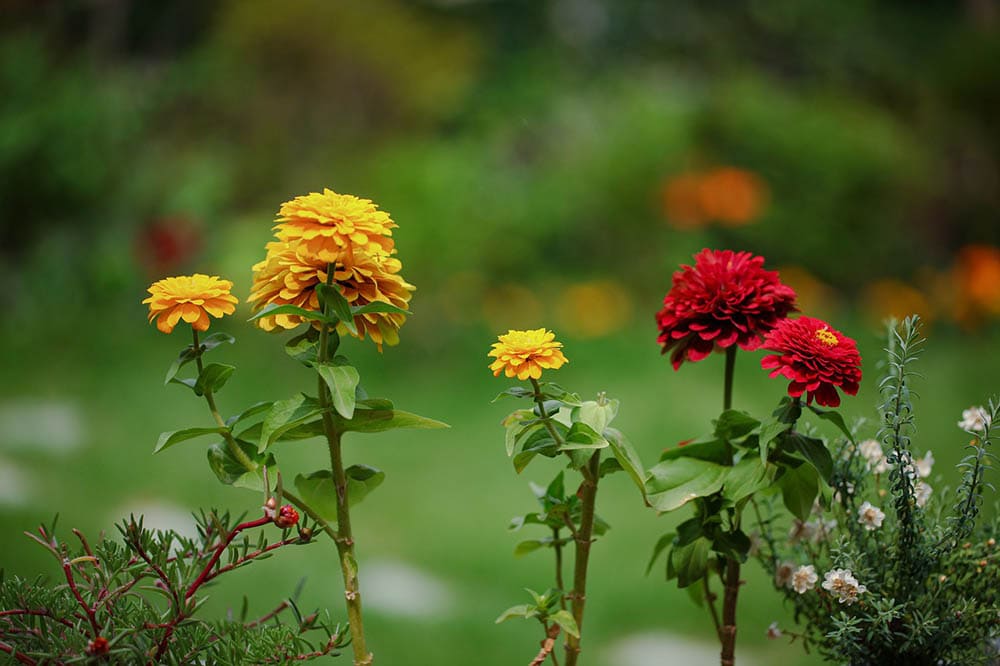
(816, 358)
(726, 298)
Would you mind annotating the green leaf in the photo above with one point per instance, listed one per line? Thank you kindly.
(252, 410)
(658, 549)
(285, 415)
(689, 564)
(378, 306)
(213, 377)
(745, 478)
(514, 392)
(556, 392)
(539, 442)
(215, 339)
(788, 411)
(582, 436)
(835, 418)
(529, 546)
(331, 297)
(342, 380)
(320, 492)
(734, 545)
(186, 355)
(711, 450)
(732, 425)
(380, 420)
(673, 483)
(595, 414)
(812, 449)
(799, 486)
(566, 622)
(521, 610)
(272, 309)
(168, 439)
(232, 472)
(304, 348)
(627, 457)
(769, 431)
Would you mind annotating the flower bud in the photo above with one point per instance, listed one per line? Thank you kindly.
(270, 507)
(98, 647)
(287, 516)
(305, 534)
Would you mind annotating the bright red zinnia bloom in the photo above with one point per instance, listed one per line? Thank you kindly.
(726, 298)
(816, 358)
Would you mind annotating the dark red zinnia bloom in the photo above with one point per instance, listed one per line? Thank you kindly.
(816, 358)
(726, 298)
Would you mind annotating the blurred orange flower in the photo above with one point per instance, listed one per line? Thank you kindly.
(893, 298)
(728, 195)
(977, 280)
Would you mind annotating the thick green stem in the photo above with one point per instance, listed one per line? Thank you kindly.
(584, 535)
(540, 401)
(727, 634)
(345, 542)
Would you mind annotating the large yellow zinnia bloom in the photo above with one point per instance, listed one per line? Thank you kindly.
(333, 227)
(191, 298)
(525, 354)
(289, 275)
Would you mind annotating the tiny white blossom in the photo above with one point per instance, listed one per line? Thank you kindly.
(842, 584)
(882, 466)
(923, 492)
(974, 419)
(801, 531)
(783, 574)
(871, 451)
(870, 516)
(923, 465)
(804, 579)
(773, 631)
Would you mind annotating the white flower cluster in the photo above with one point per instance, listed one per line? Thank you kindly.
(813, 530)
(974, 419)
(799, 578)
(842, 584)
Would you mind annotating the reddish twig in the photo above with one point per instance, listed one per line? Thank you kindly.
(22, 658)
(264, 618)
(547, 646)
(91, 616)
(206, 574)
(40, 612)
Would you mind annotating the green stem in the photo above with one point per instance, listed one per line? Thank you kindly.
(588, 497)
(731, 579)
(345, 542)
(544, 414)
(557, 545)
(242, 457)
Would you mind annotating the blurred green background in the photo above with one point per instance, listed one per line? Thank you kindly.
(550, 163)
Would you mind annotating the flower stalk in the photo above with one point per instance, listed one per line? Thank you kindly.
(345, 538)
(731, 580)
(584, 538)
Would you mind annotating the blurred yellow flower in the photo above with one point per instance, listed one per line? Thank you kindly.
(526, 353)
(892, 298)
(594, 309)
(191, 298)
(334, 227)
(288, 275)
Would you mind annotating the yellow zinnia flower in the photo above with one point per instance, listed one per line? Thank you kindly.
(191, 298)
(526, 353)
(289, 275)
(332, 227)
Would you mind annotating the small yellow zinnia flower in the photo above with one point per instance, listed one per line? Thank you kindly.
(526, 353)
(289, 275)
(332, 227)
(191, 298)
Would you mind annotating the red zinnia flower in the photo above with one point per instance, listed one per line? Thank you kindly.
(816, 358)
(726, 298)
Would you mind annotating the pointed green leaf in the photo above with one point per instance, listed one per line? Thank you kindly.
(185, 356)
(688, 564)
(582, 436)
(379, 306)
(216, 339)
(380, 420)
(812, 449)
(303, 348)
(732, 425)
(213, 377)
(673, 483)
(528, 546)
(658, 549)
(320, 492)
(627, 457)
(252, 410)
(521, 610)
(711, 450)
(745, 478)
(514, 392)
(232, 472)
(272, 309)
(566, 622)
(799, 487)
(342, 380)
(835, 418)
(331, 297)
(788, 410)
(285, 415)
(168, 439)
(769, 430)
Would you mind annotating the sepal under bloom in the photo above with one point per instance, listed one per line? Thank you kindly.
(725, 299)
(191, 298)
(524, 354)
(816, 358)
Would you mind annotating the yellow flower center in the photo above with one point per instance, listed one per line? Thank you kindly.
(826, 337)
